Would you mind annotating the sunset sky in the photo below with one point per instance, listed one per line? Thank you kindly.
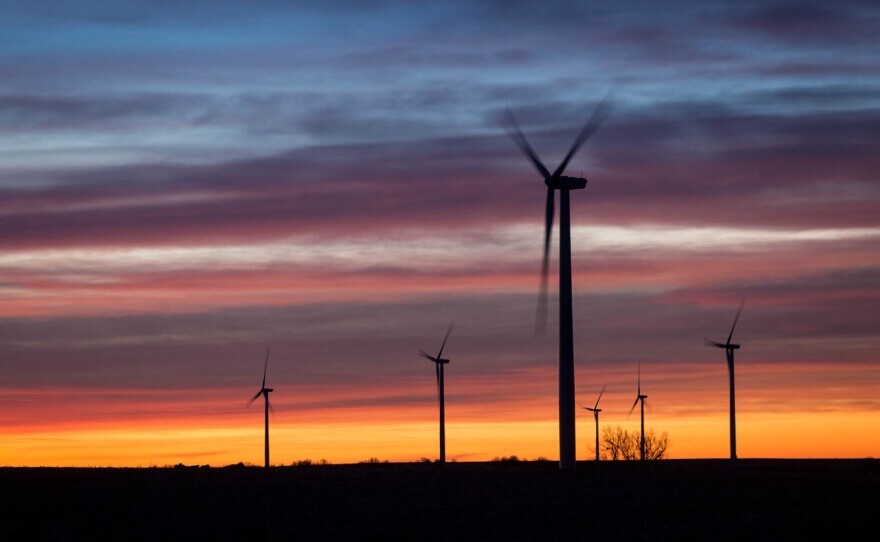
(184, 184)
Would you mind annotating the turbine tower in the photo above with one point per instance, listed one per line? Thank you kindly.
(439, 362)
(596, 410)
(728, 349)
(264, 391)
(640, 399)
(557, 181)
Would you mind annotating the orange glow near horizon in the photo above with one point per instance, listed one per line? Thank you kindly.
(140, 428)
(829, 435)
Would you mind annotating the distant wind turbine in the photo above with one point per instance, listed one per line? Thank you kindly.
(640, 399)
(728, 349)
(596, 410)
(264, 391)
(439, 362)
(558, 181)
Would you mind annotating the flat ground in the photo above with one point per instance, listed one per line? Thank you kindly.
(750, 499)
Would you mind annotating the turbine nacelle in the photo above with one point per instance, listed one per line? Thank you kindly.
(729, 346)
(636, 402)
(436, 360)
(429, 357)
(264, 392)
(595, 407)
(567, 183)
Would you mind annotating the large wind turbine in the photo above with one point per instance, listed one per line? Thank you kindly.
(596, 410)
(264, 391)
(439, 362)
(728, 349)
(640, 399)
(558, 181)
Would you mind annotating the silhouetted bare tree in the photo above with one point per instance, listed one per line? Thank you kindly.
(618, 443)
(656, 445)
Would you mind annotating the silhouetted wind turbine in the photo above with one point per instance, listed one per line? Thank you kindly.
(728, 349)
(558, 181)
(596, 410)
(264, 391)
(439, 362)
(640, 399)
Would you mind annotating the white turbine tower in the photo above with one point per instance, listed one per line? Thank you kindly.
(729, 348)
(564, 184)
(264, 391)
(439, 362)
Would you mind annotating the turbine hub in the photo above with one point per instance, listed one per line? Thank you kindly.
(569, 183)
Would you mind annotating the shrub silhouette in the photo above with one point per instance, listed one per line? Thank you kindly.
(372, 461)
(506, 459)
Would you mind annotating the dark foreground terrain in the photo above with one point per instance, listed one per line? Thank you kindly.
(709, 500)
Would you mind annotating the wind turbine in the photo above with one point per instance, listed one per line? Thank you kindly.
(640, 399)
(596, 410)
(264, 391)
(439, 362)
(728, 349)
(557, 181)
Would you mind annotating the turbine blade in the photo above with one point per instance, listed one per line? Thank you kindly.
(254, 398)
(427, 356)
(603, 109)
(448, 331)
(713, 343)
(600, 396)
(269, 404)
(549, 212)
(520, 139)
(541, 311)
(265, 366)
(634, 406)
(734, 322)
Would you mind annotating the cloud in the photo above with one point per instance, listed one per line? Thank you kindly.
(808, 22)
(692, 164)
(813, 98)
(374, 342)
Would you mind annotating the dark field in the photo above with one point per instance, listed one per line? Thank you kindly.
(751, 499)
